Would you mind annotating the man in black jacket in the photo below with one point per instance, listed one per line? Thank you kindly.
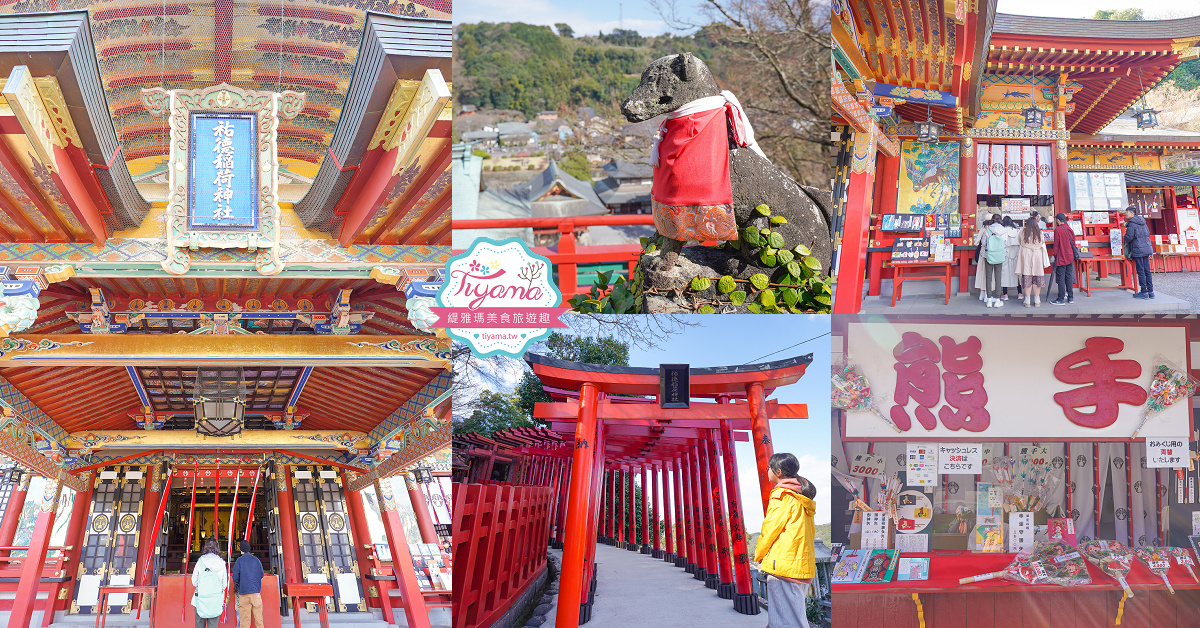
(1138, 248)
(247, 577)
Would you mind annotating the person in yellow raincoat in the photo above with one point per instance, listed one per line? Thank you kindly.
(785, 546)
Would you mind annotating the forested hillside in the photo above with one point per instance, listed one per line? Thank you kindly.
(531, 68)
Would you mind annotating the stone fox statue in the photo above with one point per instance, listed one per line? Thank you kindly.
(709, 173)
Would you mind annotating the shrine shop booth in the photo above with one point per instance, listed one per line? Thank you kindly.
(961, 449)
(999, 120)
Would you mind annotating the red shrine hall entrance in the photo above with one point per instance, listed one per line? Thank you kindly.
(674, 427)
(110, 492)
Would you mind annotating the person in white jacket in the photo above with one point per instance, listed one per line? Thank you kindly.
(1008, 274)
(211, 581)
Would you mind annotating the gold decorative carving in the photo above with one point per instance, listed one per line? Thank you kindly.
(26, 103)
(423, 111)
(56, 107)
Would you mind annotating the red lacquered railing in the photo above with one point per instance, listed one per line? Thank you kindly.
(567, 256)
(500, 538)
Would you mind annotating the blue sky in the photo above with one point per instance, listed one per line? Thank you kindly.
(725, 340)
(586, 18)
(1154, 9)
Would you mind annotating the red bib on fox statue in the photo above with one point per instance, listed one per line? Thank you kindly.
(691, 196)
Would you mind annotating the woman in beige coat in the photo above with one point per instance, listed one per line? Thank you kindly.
(1030, 264)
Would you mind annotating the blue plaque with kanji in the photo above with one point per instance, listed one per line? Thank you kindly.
(223, 176)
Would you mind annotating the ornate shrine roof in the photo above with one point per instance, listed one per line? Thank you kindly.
(1115, 61)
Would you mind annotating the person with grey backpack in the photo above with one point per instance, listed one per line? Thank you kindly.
(211, 581)
(995, 249)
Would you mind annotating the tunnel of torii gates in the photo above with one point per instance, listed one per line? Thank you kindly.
(617, 437)
(112, 418)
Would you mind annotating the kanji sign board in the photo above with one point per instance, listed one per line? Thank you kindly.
(981, 383)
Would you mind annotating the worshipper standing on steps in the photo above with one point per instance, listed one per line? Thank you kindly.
(1064, 260)
(995, 249)
(247, 577)
(211, 582)
(1008, 273)
(1032, 261)
(980, 237)
(1138, 248)
(785, 549)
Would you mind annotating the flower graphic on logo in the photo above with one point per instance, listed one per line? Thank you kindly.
(474, 266)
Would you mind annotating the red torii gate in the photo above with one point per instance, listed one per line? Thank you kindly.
(683, 447)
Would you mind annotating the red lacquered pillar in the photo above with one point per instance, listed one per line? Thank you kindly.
(571, 584)
(646, 532)
(967, 200)
(619, 506)
(604, 501)
(852, 254)
(361, 537)
(689, 514)
(745, 601)
(656, 547)
(725, 586)
(411, 600)
(632, 545)
(760, 433)
(152, 479)
(75, 536)
(288, 536)
(712, 577)
(668, 514)
(612, 506)
(560, 521)
(589, 595)
(35, 559)
(700, 515)
(12, 513)
(420, 506)
(681, 530)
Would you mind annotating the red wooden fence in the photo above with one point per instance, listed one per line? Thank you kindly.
(567, 256)
(500, 538)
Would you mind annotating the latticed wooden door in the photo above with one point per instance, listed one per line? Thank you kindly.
(110, 545)
(326, 543)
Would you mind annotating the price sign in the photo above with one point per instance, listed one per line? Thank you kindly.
(867, 466)
(1034, 456)
(960, 458)
(1166, 453)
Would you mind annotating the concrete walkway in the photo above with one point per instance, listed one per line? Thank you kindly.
(637, 590)
(929, 297)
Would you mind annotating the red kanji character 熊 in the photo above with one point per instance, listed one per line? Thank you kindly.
(1092, 365)
(917, 378)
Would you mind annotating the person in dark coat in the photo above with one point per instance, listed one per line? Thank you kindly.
(1064, 260)
(1138, 248)
(247, 577)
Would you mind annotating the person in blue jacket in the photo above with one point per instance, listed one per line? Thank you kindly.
(247, 577)
(1138, 248)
